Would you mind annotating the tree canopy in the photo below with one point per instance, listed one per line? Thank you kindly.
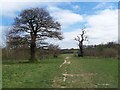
(31, 28)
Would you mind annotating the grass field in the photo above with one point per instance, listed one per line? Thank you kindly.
(87, 72)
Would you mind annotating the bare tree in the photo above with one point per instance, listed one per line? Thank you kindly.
(81, 38)
(32, 27)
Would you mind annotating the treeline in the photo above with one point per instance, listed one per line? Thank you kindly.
(23, 53)
(102, 50)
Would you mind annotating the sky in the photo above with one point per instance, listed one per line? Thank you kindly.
(99, 18)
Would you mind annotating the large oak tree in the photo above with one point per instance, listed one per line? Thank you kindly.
(31, 28)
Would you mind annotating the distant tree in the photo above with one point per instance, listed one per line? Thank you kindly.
(54, 50)
(31, 28)
(111, 44)
(81, 38)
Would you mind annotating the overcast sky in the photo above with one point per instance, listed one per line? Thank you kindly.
(100, 19)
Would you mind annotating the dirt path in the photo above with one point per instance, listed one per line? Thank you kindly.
(59, 82)
(71, 77)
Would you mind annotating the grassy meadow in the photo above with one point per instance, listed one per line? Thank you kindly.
(86, 72)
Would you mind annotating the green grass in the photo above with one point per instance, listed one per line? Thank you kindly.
(103, 70)
(33, 75)
(94, 73)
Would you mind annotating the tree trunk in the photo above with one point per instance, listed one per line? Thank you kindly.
(33, 48)
(81, 51)
(80, 54)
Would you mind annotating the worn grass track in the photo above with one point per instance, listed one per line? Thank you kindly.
(87, 72)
